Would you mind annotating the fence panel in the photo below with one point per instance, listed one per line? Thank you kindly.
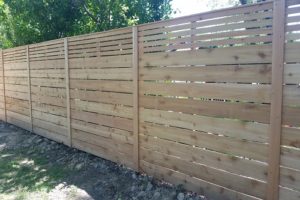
(101, 94)
(2, 90)
(17, 87)
(205, 101)
(290, 150)
(186, 100)
(48, 90)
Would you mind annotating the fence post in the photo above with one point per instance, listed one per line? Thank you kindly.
(278, 51)
(67, 79)
(3, 82)
(135, 65)
(29, 87)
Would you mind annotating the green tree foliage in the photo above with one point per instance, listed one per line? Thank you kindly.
(99, 15)
(30, 21)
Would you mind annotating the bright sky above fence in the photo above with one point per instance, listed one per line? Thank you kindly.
(188, 7)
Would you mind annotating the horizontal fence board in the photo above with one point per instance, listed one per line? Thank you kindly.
(102, 74)
(99, 62)
(20, 117)
(206, 173)
(50, 127)
(285, 193)
(208, 189)
(227, 127)
(290, 157)
(242, 111)
(234, 55)
(51, 109)
(48, 82)
(56, 101)
(290, 178)
(221, 144)
(106, 120)
(243, 92)
(48, 134)
(101, 108)
(102, 97)
(55, 119)
(49, 64)
(229, 74)
(107, 143)
(230, 163)
(50, 92)
(105, 153)
(102, 85)
(290, 136)
(18, 122)
(112, 133)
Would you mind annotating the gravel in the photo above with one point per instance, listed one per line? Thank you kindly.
(90, 177)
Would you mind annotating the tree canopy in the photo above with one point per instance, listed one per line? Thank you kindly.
(30, 21)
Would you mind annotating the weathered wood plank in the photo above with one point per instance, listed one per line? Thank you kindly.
(105, 120)
(233, 110)
(102, 97)
(67, 86)
(237, 183)
(244, 92)
(102, 85)
(190, 153)
(230, 55)
(135, 66)
(227, 73)
(213, 142)
(208, 189)
(101, 108)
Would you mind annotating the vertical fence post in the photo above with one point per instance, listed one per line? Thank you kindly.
(3, 83)
(278, 51)
(135, 65)
(29, 87)
(67, 79)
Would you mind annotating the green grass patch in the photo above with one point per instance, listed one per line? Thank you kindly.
(22, 172)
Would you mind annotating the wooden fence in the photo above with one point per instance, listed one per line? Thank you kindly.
(210, 101)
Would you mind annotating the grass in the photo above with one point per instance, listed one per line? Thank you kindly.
(22, 174)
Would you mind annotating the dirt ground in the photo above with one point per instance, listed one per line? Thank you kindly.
(35, 168)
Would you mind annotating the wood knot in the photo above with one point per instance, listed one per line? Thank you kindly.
(262, 55)
(236, 57)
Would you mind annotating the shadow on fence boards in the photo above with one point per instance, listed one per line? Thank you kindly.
(210, 101)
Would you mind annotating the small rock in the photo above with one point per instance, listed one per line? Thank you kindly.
(79, 166)
(39, 140)
(180, 196)
(149, 187)
(95, 164)
(133, 188)
(173, 194)
(156, 195)
(141, 194)
(134, 176)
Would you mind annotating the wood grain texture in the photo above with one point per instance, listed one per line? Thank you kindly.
(67, 78)
(201, 100)
(135, 62)
(3, 86)
(29, 87)
(278, 48)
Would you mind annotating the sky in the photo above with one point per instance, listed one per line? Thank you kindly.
(188, 7)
